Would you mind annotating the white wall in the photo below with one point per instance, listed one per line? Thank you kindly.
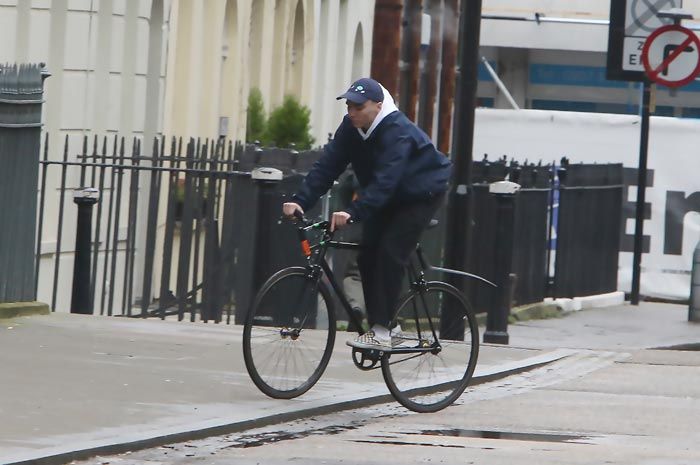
(554, 36)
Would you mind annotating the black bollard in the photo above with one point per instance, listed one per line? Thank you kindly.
(85, 198)
(497, 318)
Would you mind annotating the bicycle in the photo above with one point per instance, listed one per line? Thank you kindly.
(289, 332)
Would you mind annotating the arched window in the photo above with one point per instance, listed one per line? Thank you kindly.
(229, 71)
(181, 114)
(358, 55)
(152, 123)
(296, 53)
(277, 81)
(341, 47)
(256, 31)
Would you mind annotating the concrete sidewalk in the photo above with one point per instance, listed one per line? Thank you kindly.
(72, 386)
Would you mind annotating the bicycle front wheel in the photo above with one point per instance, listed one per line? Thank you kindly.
(430, 380)
(289, 333)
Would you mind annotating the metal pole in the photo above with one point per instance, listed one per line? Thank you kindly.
(458, 208)
(81, 301)
(641, 191)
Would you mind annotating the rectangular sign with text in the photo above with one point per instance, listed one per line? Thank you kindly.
(631, 22)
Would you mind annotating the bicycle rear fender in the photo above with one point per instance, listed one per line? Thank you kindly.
(463, 273)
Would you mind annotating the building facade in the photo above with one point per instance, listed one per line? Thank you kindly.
(152, 68)
(552, 55)
(185, 67)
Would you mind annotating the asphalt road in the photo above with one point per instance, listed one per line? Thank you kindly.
(596, 406)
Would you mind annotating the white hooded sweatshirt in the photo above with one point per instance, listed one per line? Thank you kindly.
(388, 107)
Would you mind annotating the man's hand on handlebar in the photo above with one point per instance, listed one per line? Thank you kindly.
(340, 219)
(290, 208)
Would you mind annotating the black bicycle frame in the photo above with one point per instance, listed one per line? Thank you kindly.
(320, 261)
(317, 262)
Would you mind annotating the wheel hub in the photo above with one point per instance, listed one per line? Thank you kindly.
(293, 334)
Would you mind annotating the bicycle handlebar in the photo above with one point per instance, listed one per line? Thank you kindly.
(301, 218)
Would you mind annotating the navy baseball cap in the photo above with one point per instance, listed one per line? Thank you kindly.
(362, 90)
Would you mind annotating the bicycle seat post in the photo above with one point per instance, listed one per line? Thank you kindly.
(421, 258)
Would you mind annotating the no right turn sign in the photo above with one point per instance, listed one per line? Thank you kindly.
(671, 56)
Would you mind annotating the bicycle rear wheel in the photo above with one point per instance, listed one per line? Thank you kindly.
(289, 333)
(431, 380)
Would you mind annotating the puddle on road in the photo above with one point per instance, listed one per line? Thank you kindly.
(262, 439)
(404, 443)
(464, 433)
(683, 347)
(508, 435)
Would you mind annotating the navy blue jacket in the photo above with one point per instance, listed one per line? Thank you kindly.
(397, 164)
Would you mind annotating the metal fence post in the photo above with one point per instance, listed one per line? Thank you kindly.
(497, 318)
(21, 98)
(267, 182)
(81, 301)
(694, 307)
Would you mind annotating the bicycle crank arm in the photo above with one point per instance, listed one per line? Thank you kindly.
(413, 350)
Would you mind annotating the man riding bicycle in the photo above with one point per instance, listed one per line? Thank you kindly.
(403, 179)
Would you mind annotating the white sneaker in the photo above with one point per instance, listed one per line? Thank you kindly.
(370, 340)
(397, 336)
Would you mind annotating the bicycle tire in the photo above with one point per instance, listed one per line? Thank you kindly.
(428, 381)
(270, 353)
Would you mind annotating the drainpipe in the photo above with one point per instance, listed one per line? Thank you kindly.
(386, 43)
(429, 75)
(410, 58)
(450, 15)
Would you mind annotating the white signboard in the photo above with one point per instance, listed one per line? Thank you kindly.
(640, 21)
(674, 193)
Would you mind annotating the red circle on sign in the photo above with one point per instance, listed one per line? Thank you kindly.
(653, 73)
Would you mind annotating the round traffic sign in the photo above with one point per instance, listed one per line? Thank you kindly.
(671, 56)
